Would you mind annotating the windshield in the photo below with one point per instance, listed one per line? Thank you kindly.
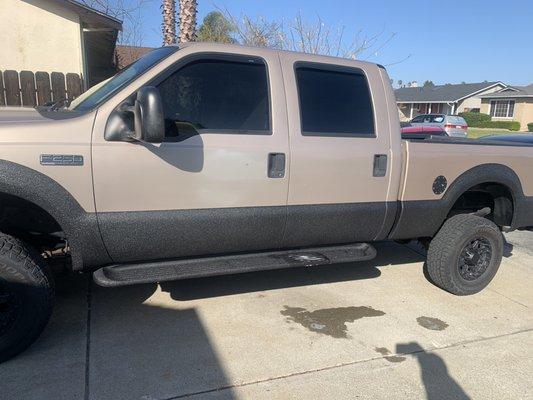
(99, 93)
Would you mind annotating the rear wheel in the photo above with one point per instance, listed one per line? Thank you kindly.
(26, 296)
(465, 254)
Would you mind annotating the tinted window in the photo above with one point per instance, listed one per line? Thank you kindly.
(418, 119)
(216, 94)
(334, 102)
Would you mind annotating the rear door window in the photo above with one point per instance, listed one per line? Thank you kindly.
(334, 101)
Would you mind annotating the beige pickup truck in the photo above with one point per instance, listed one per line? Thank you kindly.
(206, 159)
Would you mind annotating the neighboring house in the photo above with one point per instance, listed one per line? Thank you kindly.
(60, 36)
(445, 99)
(514, 103)
(125, 55)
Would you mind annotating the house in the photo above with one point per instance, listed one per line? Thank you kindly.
(513, 103)
(445, 99)
(60, 36)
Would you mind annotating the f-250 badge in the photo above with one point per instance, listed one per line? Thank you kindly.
(61, 159)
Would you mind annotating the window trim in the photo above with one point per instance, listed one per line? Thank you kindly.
(493, 104)
(231, 57)
(334, 68)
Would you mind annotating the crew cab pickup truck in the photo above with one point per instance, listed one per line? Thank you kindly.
(206, 159)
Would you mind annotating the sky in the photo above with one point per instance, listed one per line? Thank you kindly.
(447, 41)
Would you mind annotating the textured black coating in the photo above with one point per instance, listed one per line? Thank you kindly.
(321, 224)
(439, 184)
(154, 235)
(80, 227)
(120, 275)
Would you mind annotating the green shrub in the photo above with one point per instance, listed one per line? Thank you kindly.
(530, 127)
(511, 125)
(475, 119)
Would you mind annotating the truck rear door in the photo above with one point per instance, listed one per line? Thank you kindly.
(339, 131)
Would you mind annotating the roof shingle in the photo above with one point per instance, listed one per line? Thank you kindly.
(521, 91)
(441, 93)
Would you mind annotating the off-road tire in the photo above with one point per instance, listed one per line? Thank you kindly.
(26, 296)
(445, 263)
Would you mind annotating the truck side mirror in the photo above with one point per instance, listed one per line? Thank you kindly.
(148, 116)
(142, 121)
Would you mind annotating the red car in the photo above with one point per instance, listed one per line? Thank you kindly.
(421, 132)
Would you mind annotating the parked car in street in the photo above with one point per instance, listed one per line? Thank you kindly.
(453, 125)
(206, 159)
(421, 132)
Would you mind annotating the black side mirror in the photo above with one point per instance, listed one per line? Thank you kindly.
(148, 119)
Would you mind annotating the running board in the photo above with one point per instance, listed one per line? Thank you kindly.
(160, 271)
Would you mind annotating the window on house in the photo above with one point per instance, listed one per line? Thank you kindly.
(219, 95)
(502, 108)
(334, 101)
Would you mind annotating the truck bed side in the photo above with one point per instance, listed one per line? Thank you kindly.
(459, 167)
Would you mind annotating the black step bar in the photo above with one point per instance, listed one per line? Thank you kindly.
(161, 271)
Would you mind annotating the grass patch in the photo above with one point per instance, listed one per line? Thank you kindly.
(475, 133)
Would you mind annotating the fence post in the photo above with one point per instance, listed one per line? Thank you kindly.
(44, 94)
(58, 86)
(11, 82)
(27, 86)
(2, 95)
(73, 86)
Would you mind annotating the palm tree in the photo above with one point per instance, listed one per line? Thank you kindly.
(169, 22)
(187, 20)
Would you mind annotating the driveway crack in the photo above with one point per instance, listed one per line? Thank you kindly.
(347, 364)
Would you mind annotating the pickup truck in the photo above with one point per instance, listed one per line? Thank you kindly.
(206, 159)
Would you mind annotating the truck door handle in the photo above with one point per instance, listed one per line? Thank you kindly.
(276, 165)
(380, 164)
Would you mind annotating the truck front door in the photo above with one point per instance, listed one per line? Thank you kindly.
(218, 183)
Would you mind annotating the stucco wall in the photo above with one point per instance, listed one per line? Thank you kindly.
(475, 101)
(39, 36)
(523, 111)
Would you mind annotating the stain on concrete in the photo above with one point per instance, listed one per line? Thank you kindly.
(386, 353)
(329, 321)
(433, 324)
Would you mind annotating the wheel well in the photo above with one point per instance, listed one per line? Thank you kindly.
(496, 196)
(27, 221)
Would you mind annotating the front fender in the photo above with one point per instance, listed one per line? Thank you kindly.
(80, 227)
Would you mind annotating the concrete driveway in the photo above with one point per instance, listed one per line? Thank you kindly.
(369, 330)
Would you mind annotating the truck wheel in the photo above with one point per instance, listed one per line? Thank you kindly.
(465, 254)
(26, 296)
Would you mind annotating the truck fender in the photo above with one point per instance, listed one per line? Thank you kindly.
(423, 218)
(80, 227)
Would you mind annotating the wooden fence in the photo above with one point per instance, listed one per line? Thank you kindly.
(30, 89)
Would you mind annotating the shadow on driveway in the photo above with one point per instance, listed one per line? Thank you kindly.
(127, 343)
(388, 253)
(438, 383)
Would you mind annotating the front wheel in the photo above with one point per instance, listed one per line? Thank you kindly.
(26, 296)
(465, 254)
